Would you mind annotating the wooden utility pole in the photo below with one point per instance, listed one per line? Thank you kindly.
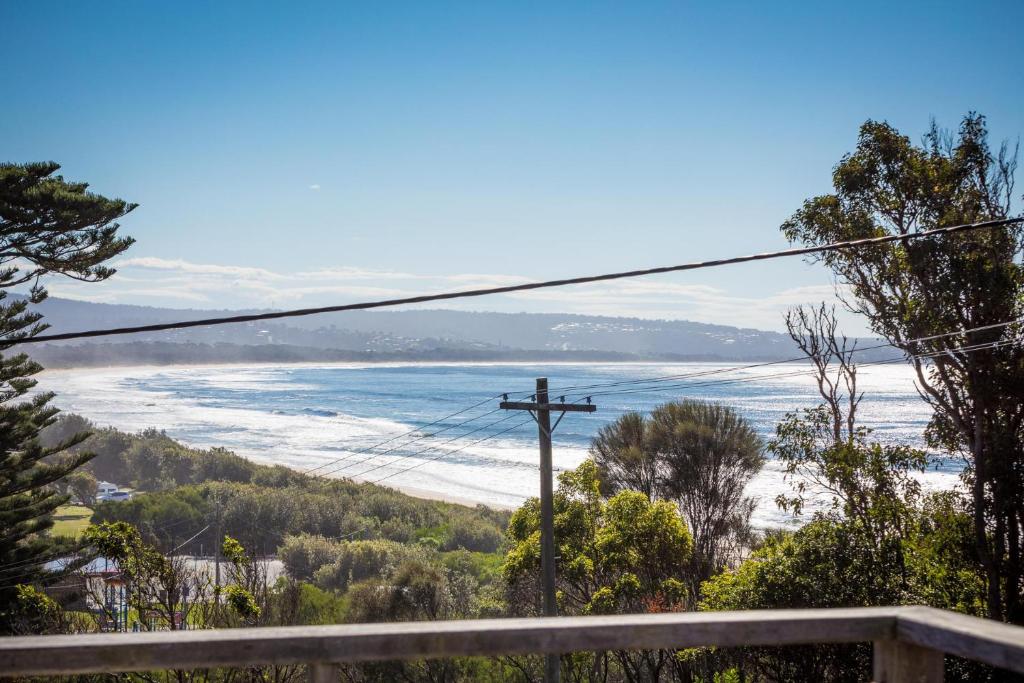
(541, 409)
(218, 541)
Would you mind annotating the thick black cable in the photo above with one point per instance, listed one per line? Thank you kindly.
(799, 251)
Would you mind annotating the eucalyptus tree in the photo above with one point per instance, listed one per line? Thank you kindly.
(700, 456)
(709, 453)
(48, 226)
(915, 292)
(624, 456)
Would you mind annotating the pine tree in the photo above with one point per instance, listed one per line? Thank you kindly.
(48, 226)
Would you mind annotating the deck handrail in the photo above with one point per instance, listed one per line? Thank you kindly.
(907, 639)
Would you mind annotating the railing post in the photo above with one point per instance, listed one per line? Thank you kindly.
(319, 672)
(897, 662)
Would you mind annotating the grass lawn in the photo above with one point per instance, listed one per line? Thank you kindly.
(71, 520)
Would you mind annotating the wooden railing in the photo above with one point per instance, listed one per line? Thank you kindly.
(909, 642)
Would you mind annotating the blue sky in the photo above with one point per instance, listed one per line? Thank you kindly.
(294, 154)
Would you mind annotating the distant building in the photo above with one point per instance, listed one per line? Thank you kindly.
(96, 587)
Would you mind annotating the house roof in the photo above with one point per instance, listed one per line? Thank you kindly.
(99, 565)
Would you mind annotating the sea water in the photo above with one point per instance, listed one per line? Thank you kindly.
(355, 420)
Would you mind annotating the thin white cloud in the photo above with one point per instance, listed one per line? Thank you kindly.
(346, 273)
(118, 297)
(314, 186)
(154, 263)
(177, 282)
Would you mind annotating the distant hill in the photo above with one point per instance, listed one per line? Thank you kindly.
(395, 335)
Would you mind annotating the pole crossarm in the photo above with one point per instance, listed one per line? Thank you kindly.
(553, 407)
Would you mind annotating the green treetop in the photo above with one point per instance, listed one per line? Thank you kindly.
(626, 554)
(48, 226)
(928, 288)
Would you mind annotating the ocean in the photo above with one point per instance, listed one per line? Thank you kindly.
(332, 417)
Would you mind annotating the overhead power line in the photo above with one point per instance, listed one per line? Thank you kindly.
(486, 291)
(405, 457)
(370, 454)
(423, 435)
(194, 537)
(409, 433)
(377, 454)
(968, 348)
(29, 567)
(71, 559)
(717, 371)
(457, 450)
(971, 348)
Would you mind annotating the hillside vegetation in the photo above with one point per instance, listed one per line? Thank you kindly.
(183, 490)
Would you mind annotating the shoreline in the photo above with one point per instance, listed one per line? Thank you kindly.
(207, 405)
(356, 365)
(436, 496)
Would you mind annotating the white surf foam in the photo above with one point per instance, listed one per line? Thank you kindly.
(500, 472)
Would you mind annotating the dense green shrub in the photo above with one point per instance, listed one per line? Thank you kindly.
(473, 534)
(360, 560)
(833, 562)
(304, 554)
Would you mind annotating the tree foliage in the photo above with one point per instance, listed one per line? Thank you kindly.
(875, 541)
(260, 504)
(626, 456)
(418, 588)
(918, 289)
(697, 454)
(356, 561)
(48, 226)
(835, 562)
(626, 554)
(161, 589)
